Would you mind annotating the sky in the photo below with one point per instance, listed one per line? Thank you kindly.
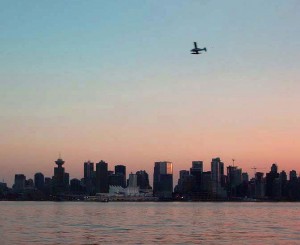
(115, 81)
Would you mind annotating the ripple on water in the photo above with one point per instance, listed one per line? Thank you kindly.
(148, 223)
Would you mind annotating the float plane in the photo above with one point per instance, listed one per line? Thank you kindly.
(197, 50)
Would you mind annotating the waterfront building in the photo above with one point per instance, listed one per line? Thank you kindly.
(132, 188)
(245, 177)
(293, 175)
(75, 186)
(218, 178)
(163, 179)
(270, 177)
(121, 170)
(3, 189)
(102, 185)
(143, 180)
(88, 168)
(186, 184)
(259, 188)
(29, 184)
(206, 185)
(19, 184)
(39, 181)
(60, 178)
(89, 177)
(116, 179)
(196, 170)
(294, 186)
(283, 183)
(234, 180)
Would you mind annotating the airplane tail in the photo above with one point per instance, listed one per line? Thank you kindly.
(205, 49)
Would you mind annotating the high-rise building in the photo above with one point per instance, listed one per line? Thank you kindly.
(259, 185)
(39, 181)
(132, 188)
(270, 178)
(163, 179)
(143, 179)
(60, 178)
(88, 168)
(293, 175)
(186, 183)
(115, 179)
(102, 185)
(217, 177)
(197, 165)
(274, 168)
(121, 170)
(245, 177)
(89, 177)
(196, 170)
(19, 185)
(75, 186)
(234, 179)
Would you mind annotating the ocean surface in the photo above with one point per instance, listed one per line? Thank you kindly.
(149, 223)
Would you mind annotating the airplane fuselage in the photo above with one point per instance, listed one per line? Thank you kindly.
(197, 50)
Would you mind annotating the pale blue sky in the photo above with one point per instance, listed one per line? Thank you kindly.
(124, 67)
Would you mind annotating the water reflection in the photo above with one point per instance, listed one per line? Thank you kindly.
(147, 223)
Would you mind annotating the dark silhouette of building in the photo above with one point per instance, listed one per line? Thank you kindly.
(259, 188)
(293, 188)
(116, 179)
(121, 170)
(234, 181)
(284, 184)
(39, 181)
(60, 178)
(270, 178)
(75, 186)
(20, 182)
(88, 168)
(186, 185)
(218, 178)
(102, 185)
(143, 180)
(196, 170)
(163, 179)
(89, 177)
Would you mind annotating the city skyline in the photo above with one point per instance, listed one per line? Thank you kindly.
(116, 81)
(98, 183)
(205, 167)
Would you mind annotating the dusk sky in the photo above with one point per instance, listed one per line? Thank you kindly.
(115, 80)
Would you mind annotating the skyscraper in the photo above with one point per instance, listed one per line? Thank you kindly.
(60, 178)
(234, 179)
(143, 179)
(270, 178)
(121, 170)
(163, 179)
(89, 177)
(88, 168)
(39, 181)
(20, 180)
(102, 177)
(196, 170)
(132, 188)
(217, 177)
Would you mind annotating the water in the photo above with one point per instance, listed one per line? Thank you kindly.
(149, 223)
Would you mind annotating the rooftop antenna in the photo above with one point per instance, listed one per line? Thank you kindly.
(233, 162)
